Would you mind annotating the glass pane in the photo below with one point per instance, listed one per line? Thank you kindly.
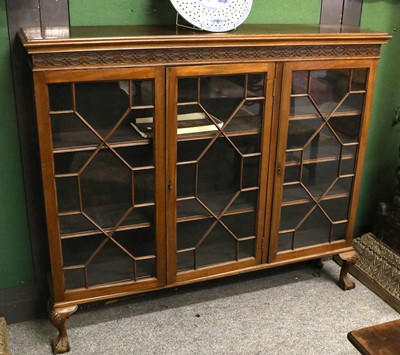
(191, 150)
(188, 90)
(323, 145)
(337, 209)
(347, 128)
(292, 173)
(256, 85)
(61, 97)
(67, 194)
(77, 251)
(339, 231)
(250, 172)
(219, 174)
(342, 185)
(186, 180)
(318, 177)
(101, 104)
(110, 264)
(190, 233)
(294, 193)
(241, 225)
(245, 201)
(138, 242)
(348, 159)
(140, 215)
(292, 215)
(359, 79)
(67, 163)
(74, 278)
(247, 145)
(314, 230)
(142, 92)
(143, 186)
(328, 87)
(190, 208)
(69, 131)
(75, 223)
(222, 95)
(285, 241)
(300, 82)
(185, 260)
(137, 156)
(218, 247)
(301, 132)
(302, 106)
(248, 117)
(246, 248)
(106, 185)
(145, 268)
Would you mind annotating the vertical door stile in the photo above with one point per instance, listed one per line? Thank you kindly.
(170, 120)
(47, 166)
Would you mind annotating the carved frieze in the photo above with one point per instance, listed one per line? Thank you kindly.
(183, 55)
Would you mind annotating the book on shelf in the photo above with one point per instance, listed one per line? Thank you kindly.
(195, 122)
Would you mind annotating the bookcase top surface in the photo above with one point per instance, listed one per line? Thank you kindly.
(36, 37)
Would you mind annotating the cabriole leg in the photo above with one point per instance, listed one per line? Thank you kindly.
(58, 316)
(349, 259)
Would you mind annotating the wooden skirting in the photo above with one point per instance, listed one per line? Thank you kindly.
(378, 268)
(4, 350)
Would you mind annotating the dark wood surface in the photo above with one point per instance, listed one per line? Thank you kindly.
(381, 339)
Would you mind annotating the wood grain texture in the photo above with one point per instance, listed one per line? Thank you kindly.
(381, 339)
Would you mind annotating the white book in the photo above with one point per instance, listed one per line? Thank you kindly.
(195, 122)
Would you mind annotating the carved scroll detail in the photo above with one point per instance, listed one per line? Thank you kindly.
(58, 317)
(183, 55)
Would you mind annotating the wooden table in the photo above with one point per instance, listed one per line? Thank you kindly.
(381, 339)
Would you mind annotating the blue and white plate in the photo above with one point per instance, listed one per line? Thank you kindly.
(213, 15)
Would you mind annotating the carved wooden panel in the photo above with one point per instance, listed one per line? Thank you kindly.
(181, 55)
(379, 262)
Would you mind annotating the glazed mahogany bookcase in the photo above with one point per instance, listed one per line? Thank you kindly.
(266, 174)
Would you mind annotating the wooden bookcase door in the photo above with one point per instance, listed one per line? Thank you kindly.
(321, 139)
(105, 191)
(217, 167)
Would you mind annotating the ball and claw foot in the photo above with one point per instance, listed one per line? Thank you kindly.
(58, 317)
(349, 259)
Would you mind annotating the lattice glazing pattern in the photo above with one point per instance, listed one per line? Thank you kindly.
(322, 144)
(218, 169)
(105, 181)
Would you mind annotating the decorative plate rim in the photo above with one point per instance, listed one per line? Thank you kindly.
(214, 18)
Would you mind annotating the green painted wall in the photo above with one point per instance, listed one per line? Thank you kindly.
(382, 150)
(15, 253)
(124, 12)
(384, 15)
